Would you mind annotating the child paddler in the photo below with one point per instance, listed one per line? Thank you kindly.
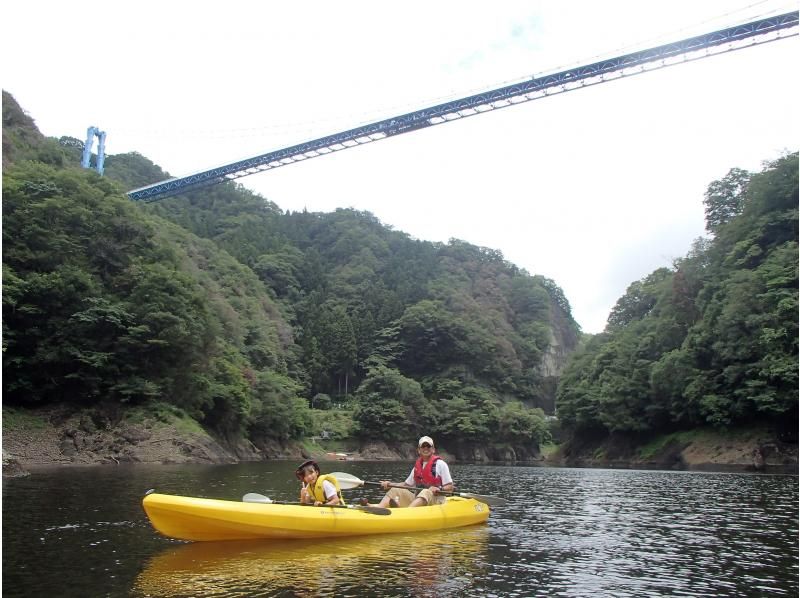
(318, 490)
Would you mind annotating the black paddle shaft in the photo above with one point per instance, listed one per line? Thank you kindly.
(495, 501)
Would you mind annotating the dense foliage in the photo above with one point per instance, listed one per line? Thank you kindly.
(375, 310)
(101, 303)
(714, 340)
(246, 317)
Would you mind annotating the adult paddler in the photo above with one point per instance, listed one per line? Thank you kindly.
(430, 473)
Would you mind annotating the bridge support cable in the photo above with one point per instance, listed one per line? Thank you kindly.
(710, 44)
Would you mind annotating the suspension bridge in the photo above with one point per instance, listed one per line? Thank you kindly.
(709, 44)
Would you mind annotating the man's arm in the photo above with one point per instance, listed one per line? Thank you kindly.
(444, 472)
(408, 483)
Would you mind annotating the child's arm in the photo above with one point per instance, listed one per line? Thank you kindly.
(331, 498)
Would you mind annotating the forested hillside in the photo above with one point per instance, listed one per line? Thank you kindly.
(712, 341)
(260, 323)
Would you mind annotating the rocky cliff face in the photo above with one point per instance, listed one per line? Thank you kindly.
(563, 342)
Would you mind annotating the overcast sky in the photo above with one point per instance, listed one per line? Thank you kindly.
(593, 188)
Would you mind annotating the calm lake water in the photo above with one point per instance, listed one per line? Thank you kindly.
(566, 532)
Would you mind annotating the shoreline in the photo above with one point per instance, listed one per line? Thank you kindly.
(52, 439)
(14, 468)
(781, 470)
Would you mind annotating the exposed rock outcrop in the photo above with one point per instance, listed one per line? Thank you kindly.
(563, 342)
(12, 468)
(59, 437)
(755, 449)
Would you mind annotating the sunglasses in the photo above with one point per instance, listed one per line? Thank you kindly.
(425, 445)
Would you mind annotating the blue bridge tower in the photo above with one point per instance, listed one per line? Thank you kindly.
(91, 133)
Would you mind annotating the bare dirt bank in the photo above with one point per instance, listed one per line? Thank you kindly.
(64, 437)
(59, 437)
(754, 449)
(56, 437)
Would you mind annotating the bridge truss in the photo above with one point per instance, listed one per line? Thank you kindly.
(693, 48)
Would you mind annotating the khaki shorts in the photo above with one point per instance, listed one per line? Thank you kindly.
(404, 497)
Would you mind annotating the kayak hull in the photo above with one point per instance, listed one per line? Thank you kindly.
(205, 519)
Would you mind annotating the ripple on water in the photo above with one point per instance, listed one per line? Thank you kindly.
(591, 532)
(565, 532)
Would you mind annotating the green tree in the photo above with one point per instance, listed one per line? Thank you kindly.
(520, 425)
(724, 199)
(713, 341)
(277, 410)
(639, 299)
(391, 406)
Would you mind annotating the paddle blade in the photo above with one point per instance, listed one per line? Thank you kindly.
(347, 481)
(492, 501)
(253, 497)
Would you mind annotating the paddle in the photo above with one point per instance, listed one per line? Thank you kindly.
(348, 482)
(260, 498)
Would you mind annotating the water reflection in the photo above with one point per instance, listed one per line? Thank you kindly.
(419, 564)
(565, 532)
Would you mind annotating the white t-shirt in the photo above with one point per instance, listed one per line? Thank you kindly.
(328, 489)
(441, 469)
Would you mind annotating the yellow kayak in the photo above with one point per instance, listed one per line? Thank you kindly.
(206, 519)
